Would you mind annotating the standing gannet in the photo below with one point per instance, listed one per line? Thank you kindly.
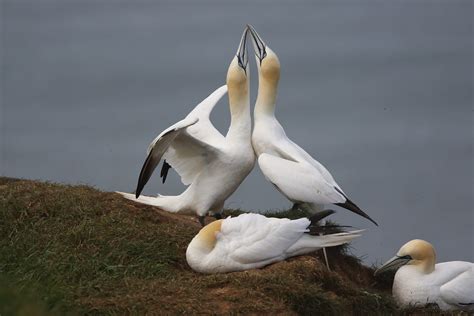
(251, 241)
(212, 165)
(298, 176)
(419, 281)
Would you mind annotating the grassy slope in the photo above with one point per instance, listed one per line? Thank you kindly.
(79, 250)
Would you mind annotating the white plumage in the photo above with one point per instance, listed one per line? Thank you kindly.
(212, 165)
(298, 176)
(253, 241)
(419, 281)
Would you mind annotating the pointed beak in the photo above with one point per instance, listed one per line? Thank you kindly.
(258, 44)
(394, 263)
(242, 56)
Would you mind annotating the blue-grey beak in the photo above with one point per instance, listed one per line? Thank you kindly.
(394, 263)
(242, 56)
(258, 44)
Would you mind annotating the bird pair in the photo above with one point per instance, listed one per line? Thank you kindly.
(214, 165)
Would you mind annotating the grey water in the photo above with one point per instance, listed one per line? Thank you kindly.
(379, 92)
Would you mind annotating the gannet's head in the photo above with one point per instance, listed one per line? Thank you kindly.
(267, 61)
(202, 245)
(206, 239)
(417, 252)
(237, 74)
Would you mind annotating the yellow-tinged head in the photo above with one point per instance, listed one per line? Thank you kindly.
(421, 252)
(237, 74)
(270, 67)
(267, 61)
(207, 235)
(268, 76)
(418, 253)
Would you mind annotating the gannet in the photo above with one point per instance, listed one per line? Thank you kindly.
(298, 176)
(419, 281)
(251, 241)
(212, 165)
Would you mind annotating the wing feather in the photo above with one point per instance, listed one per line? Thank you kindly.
(251, 238)
(185, 154)
(156, 150)
(298, 181)
(187, 145)
(460, 290)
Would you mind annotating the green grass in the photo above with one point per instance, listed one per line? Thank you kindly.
(77, 250)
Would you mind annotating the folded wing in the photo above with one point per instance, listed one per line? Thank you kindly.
(252, 238)
(460, 290)
(298, 181)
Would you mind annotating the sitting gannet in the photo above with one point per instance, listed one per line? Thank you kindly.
(419, 281)
(252, 241)
(298, 176)
(212, 165)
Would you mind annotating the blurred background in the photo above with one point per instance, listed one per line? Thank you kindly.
(379, 92)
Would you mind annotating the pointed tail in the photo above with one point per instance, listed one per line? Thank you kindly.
(166, 203)
(337, 239)
(308, 243)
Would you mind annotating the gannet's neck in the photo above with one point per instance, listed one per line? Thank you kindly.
(266, 98)
(239, 105)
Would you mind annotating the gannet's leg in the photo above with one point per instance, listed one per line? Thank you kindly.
(201, 220)
(324, 251)
(319, 216)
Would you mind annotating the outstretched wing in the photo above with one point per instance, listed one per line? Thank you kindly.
(251, 238)
(187, 157)
(460, 290)
(187, 145)
(162, 143)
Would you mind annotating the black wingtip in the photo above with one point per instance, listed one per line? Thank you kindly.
(138, 191)
(144, 176)
(349, 205)
(320, 215)
(327, 229)
(164, 170)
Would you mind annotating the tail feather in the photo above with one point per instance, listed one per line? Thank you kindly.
(166, 203)
(339, 238)
(308, 243)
